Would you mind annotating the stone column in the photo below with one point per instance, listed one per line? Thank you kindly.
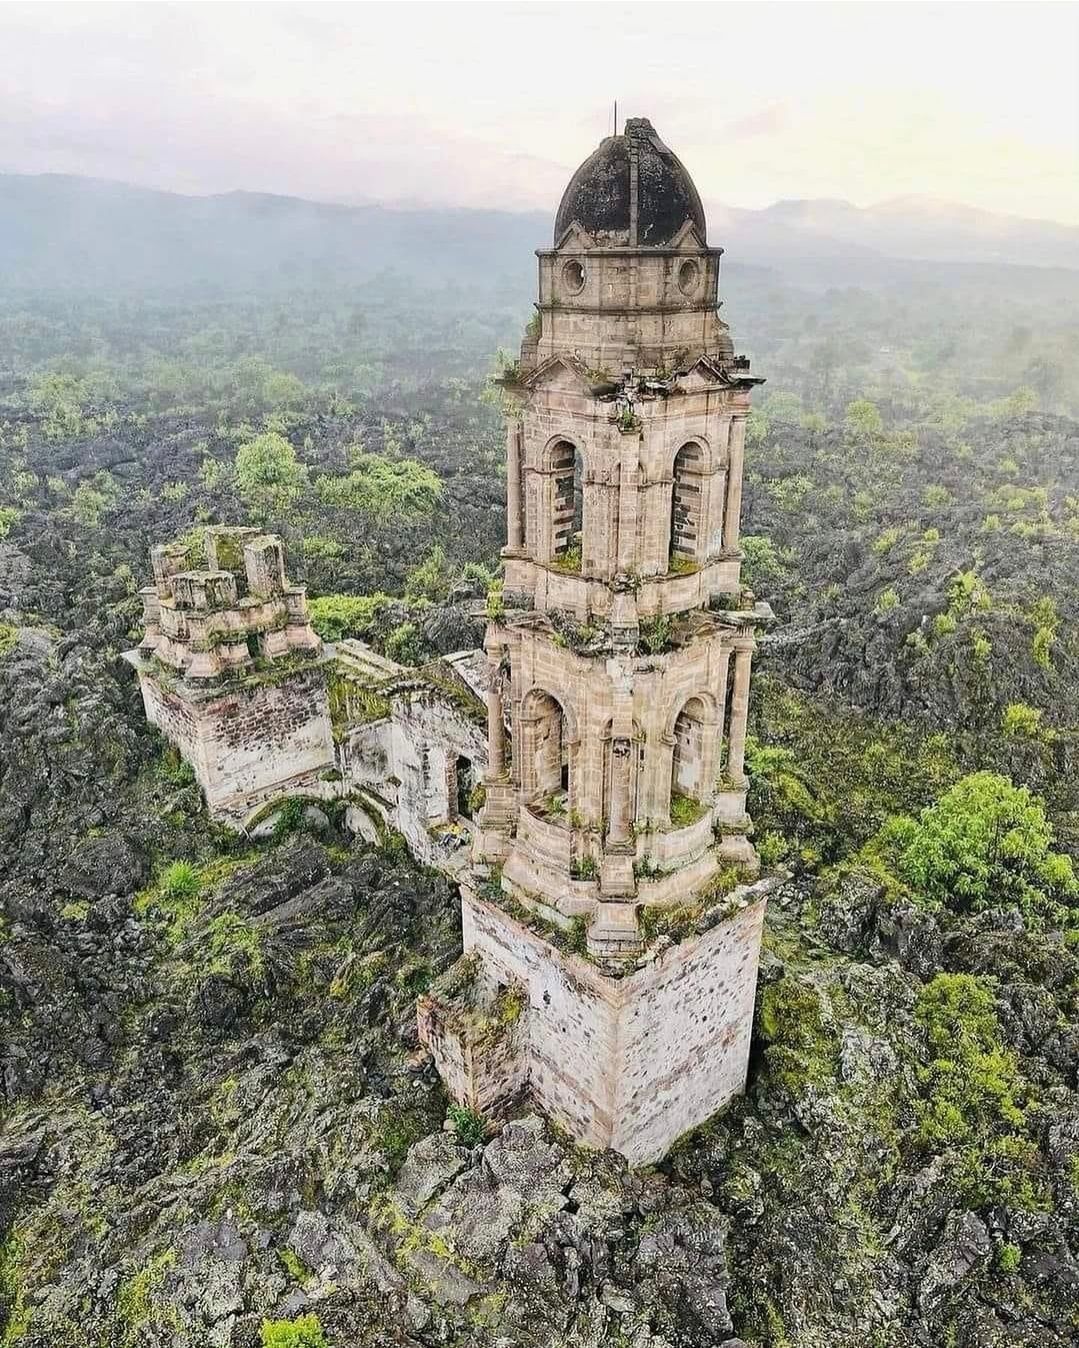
(514, 522)
(736, 745)
(496, 729)
(735, 460)
(628, 502)
(620, 830)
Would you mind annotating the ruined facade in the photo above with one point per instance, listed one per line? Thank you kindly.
(231, 671)
(613, 877)
(234, 676)
(583, 777)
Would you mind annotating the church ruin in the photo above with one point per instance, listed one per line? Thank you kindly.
(583, 778)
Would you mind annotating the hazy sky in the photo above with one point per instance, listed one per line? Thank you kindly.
(495, 104)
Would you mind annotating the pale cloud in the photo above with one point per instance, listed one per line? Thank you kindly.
(495, 104)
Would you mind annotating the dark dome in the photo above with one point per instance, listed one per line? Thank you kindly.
(598, 196)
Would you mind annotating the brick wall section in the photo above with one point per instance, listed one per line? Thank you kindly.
(484, 1073)
(244, 742)
(617, 1061)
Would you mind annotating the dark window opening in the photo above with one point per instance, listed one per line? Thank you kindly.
(466, 784)
(686, 504)
(568, 502)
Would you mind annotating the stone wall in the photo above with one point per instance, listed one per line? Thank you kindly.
(250, 742)
(692, 1009)
(485, 1066)
(572, 1020)
(618, 1061)
(409, 759)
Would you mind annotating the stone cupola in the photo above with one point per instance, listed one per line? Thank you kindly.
(630, 280)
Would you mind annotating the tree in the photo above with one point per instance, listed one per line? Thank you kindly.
(384, 488)
(985, 842)
(863, 419)
(267, 474)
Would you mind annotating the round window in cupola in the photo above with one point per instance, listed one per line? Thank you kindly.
(573, 277)
(689, 277)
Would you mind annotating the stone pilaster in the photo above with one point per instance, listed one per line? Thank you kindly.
(736, 458)
(736, 746)
(514, 520)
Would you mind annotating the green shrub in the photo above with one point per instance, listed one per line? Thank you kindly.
(303, 1332)
(405, 645)
(655, 634)
(887, 539)
(335, 616)
(862, 419)
(569, 559)
(984, 842)
(1008, 1258)
(1046, 620)
(685, 810)
(800, 1050)
(430, 580)
(267, 474)
(176, 769)
(179, 881)
(293, 1265)
(290, 818)
(384, 488)
(974, 1101)
(1020, 721)
(469, 1126)
(763, 564)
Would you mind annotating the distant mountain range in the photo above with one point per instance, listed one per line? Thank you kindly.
(921, 228)
(81, 233)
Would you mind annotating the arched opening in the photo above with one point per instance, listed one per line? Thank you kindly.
(689, 759)
(545, 769)
(728, 708)
(573, 276)
(464, 776)
(686, 497)
(568, 505)
(689, 275)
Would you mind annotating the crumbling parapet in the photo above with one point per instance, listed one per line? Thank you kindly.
(207, 622)
(231, 670)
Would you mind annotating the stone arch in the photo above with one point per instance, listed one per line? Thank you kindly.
(709, 704)
(547, 741)
(563, 461)
(692, 731)
(687, 526)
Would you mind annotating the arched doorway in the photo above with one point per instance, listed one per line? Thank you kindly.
(545, 766)
(686, 498)
(567, 514)
(690, 758)
(464, 780)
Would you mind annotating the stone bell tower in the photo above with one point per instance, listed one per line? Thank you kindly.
(613, 875)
